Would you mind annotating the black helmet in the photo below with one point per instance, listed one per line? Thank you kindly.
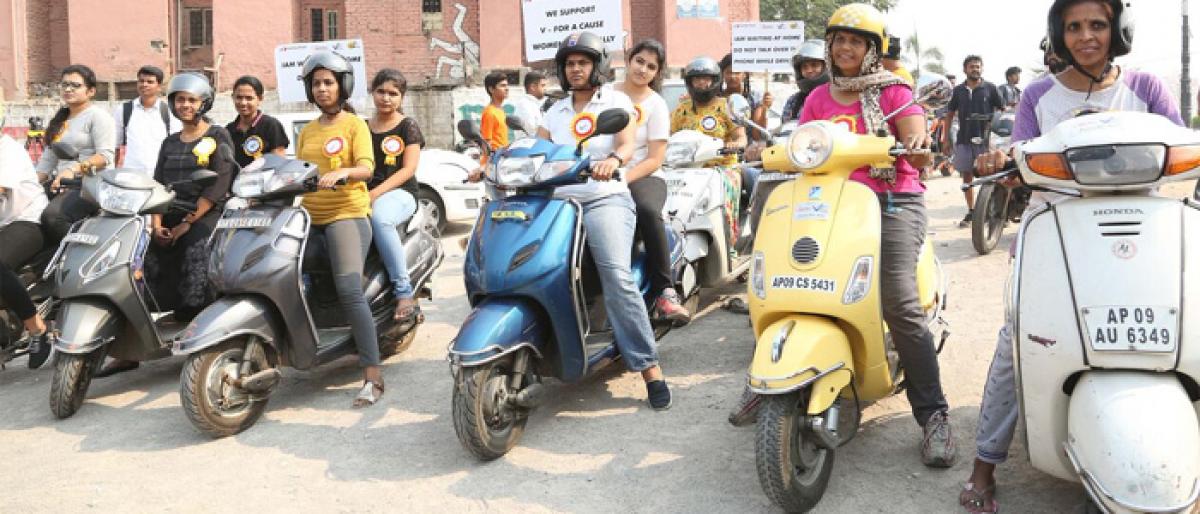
(193, 83)
(588, 44)
(334, 63)
(702, 67)
(1122, 29)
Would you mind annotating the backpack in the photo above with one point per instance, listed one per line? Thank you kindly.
(127, 112)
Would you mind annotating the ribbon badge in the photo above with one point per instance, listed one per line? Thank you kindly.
(392, 146)
(641, 114)
(253, 146)
(331, 149)
(61, 131)
(203, 150)
(583, 125)
(708, 123)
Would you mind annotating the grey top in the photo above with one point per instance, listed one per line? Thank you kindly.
(92, 132)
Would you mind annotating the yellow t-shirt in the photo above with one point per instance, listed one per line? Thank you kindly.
(712, 120)
(347, 140)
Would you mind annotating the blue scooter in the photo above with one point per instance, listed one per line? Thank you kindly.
(538, 310)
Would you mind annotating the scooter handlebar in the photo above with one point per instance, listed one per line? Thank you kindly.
(1007, 171)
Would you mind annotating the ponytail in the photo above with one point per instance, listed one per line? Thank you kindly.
(56, 124)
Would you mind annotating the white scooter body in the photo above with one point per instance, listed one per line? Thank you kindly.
(696, 197)
(1107, 393)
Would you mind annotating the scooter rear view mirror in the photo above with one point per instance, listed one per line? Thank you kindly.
(203, 178)
(470, 131)
(739, 107)
(609, 122)
(933, 90)
(514, 122)
(65, 151)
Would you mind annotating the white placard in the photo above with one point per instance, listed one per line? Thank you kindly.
(289, 61)
(548, 22)
(766, 46)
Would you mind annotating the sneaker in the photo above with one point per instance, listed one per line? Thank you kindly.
(669, 307)
(39, 350)
(938, 449)
(966, 221)
(746, 411)
(659, 394)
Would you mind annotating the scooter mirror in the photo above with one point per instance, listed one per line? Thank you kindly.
(203, 178)
(470, 131)
(612, 121)
(65, 151)
(514, 122)
(933, 90)
(739, 107)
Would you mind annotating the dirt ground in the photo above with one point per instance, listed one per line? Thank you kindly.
(594, 447)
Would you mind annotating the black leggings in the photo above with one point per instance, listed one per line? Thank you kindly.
(347, 243)
(64, 210)
(19, 242)
(649, 195)
(14, 295)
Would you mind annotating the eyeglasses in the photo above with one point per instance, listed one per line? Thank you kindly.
(67, 85)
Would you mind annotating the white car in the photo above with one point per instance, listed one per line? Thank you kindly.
(441, 175)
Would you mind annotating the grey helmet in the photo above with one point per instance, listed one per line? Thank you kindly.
(195, 84)
(702, 67)
(588, 44)
(810, 50)
(333, 62)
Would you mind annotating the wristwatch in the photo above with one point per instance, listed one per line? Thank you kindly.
(620, 161)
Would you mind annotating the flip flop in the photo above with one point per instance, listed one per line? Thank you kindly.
(979, 502)
(117, 366)
(407, 315)
(367, 396)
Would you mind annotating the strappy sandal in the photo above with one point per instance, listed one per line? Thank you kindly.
(979, 502)
(407, 309)
(367, 396)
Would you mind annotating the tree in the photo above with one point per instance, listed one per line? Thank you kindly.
(814, 13)
(923, 59)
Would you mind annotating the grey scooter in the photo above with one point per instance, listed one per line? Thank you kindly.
(107, 307)
(268, 315)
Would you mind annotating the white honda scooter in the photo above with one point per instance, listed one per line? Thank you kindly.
(1107, 356)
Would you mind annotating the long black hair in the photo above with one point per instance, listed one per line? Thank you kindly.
(60, 117)
(655, 47)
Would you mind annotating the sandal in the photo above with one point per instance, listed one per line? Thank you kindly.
(979, 502)
(407, 309)
(367, 396)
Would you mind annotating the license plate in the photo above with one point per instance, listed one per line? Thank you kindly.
(83, 239)
(1136, 328)
(822, 285)
(509, 215)
(243, 222)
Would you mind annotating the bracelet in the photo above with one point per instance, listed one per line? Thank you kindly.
(613, 155)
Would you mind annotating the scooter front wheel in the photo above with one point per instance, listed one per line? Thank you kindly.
(212, 402)
(792, 469)
(72, 376)
(485, 422)
(989, 217)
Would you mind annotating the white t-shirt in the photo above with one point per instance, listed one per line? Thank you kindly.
(24, 198)
(567, 127)
(529, 109)
(654, 124)
(146, 134)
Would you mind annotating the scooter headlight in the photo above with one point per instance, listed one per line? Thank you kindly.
(118, 200)
(860, 280)
(554, 169)
(758, 281)
(811, 144)
(517, 171)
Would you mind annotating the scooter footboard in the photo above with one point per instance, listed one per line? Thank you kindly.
(498, 327)
(801, 351)
(1134, 440)
(85, 324)
(227, 318)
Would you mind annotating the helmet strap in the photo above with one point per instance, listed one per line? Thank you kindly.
(1092, 79)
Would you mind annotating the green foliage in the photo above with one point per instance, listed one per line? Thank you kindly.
(814, 13)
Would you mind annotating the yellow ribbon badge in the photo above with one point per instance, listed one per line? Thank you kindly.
(333, 147)
(203, 150)
(583, 125)
(253, 146)
(392, 146)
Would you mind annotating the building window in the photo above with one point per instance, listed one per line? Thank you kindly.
(318, 25)
(431, 6)
(199, 27)
(331, 27)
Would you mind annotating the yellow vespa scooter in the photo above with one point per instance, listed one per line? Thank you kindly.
(823, 349)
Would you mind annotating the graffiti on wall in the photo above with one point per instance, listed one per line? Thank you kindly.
(464, 53)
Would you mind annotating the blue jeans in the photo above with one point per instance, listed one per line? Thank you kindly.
(388, 215)
(610, 223)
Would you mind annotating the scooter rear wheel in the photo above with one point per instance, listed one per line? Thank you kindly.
(486, 426)
(213, 405)
(792, 469)
(72, 376)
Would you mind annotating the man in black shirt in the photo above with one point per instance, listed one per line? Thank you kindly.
(254, 133)
(975, 101)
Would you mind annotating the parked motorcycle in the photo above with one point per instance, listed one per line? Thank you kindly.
(537, 306)
(107, 306)
(1107, 356)
(996, 203)
(278, 309)
(823, 350)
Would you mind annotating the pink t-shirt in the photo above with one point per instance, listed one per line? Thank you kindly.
(820, 105)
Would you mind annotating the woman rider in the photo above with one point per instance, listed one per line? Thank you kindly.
(339, 143)
(1087, 35)
(643, 79)
(860, 93)
(177, 262)
(397, 141)
(92, 131)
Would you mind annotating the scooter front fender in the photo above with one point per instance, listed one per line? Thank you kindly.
(1134, 440)
(498, 327)
(799, 351)
(85, 324)
(227, 318)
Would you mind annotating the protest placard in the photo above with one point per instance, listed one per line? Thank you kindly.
(289, 62)
(766, 46)
(548, 22)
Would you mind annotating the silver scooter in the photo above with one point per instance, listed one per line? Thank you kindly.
(277, 309)
(107, 307)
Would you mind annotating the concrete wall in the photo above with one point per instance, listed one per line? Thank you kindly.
(247, 43)
(116, 42)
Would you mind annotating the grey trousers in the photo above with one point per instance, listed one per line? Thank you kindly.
(999, 409)
(903, 234)
(347, 243)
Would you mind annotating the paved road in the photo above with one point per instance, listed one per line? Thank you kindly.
(595, 447)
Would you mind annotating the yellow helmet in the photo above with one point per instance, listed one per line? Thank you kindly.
(863, 19)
